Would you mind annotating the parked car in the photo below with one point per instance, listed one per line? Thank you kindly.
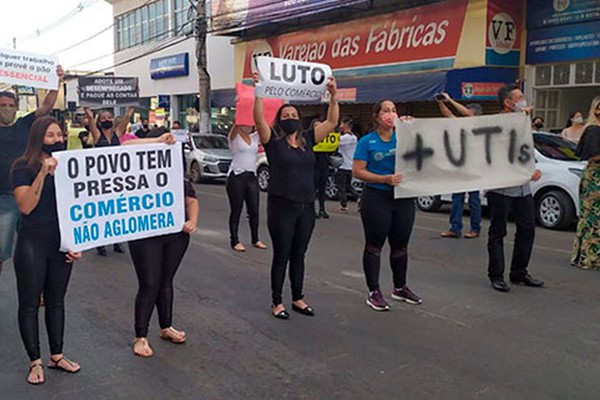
(556, 194)
(207, 157)
(331, 190)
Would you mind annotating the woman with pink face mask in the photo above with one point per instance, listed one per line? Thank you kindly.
(383, 217)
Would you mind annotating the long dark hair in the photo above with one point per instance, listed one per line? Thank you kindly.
(280, 134)
(33, 152)
(377, 108)
(571, 116)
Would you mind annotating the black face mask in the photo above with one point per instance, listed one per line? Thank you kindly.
(106, 124)
(538, 126)
(289, 126)
(49, 148)
(145, 126)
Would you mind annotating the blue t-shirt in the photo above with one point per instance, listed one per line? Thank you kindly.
(379, 155)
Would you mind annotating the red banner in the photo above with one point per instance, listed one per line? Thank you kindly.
(416, 34)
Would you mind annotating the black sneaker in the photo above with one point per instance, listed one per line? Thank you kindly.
(324, 214)
(101, 251)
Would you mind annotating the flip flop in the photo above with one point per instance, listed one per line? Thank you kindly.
(56, 365)
(37, 365)
(172, 339)
(145, 345)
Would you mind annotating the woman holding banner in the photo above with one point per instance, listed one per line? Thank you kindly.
(290, 207)
(40, 267)
(156, 260)
(107, 131)
(383, 217)
(242, 184)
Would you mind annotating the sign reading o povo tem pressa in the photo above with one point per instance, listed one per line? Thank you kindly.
(291, 80)
(107, 91)
(449, 155)
(116, 194)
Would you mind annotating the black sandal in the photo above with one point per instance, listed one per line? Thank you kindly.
(37, 365)
(56, 365)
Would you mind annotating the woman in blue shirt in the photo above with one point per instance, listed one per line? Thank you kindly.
(383, 217)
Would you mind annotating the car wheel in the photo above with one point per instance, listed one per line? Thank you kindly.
(555, 210)
(263, 175)
(331, 189)
(429, 203)
(195, 173)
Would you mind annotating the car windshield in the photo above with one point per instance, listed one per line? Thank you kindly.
(211, 142)
(555, 147)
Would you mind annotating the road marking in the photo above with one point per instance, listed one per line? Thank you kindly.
(353, 274)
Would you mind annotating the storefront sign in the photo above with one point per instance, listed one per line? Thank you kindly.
(107, 91)
(170, 67)
(563, 43)
(480, 90)
(291, 80)
(544, 13)
(448, 155)
(343, 95)
(409, 40)
(117, 194)
(28, 69)
(503, 33)
(229, 16)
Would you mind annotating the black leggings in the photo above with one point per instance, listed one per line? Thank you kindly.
(343, 179)
(156, 260)
(242, 188)
(290, 226)
(384, 217)
(321, 175)
(41, 268)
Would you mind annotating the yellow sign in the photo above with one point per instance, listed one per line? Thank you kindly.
(329, 144)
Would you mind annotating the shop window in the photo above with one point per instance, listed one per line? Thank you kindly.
(561, 74)
(542, 75)
(584, 72)
(546, 106)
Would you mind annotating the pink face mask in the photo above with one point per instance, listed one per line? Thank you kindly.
(388, 119)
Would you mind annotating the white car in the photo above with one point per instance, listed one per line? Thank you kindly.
(556, 194)
(207, 157)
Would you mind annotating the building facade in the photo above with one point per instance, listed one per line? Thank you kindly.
(154, 42)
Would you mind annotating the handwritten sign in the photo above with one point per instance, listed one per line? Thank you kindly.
(447, 155)
(107, 91)
(291, 80)
(116, 194)
(28, 69)
(244, 106)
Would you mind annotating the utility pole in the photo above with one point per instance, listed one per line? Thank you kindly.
(200, 30)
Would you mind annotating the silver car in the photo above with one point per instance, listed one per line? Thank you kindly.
(207, 157)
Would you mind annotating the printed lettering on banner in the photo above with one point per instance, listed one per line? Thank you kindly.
(117, 194)
(28, 69)
(291, 80)
(329, 144)
(449, 155)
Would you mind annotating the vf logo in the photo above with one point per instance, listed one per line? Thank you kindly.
(561, 5)
(502, 33)
(262, 48)
(468, 90)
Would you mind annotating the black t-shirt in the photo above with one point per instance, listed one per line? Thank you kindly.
(142, 133)
(589, 144)
(292, 169)
(13, 140)
(42, 222)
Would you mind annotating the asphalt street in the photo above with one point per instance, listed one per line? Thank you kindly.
(466, 341)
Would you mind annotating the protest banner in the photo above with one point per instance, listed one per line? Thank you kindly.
(448, 155)
(107, 91)
(244, 106)
(28, 69)
(329, 144)
(290, 79)
(116, 194)
(181, 135)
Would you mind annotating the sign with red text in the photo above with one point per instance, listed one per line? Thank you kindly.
(480, 90)
(291, 80)
(449, 155)
(28, 69)
(413, 39)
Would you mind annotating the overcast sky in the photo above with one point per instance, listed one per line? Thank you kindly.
(22, 18)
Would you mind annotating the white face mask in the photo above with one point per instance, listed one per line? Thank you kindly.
(578, 120)
(520, 105)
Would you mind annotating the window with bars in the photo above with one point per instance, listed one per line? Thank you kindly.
(546, 106)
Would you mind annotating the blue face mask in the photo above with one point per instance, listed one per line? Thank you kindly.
(50, 148)
(289, 126)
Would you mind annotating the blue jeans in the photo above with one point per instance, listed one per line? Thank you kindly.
(458, 204)
(9, 219)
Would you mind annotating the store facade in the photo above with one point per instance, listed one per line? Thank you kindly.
(563, 58)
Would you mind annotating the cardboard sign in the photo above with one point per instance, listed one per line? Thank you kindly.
(116, 194)
(28, 69)
(329, 144)
(181, 135)
(107, 91)
(291, 80)
(244, 106)
(448, 155)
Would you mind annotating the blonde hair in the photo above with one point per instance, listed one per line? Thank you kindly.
(592, 119)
